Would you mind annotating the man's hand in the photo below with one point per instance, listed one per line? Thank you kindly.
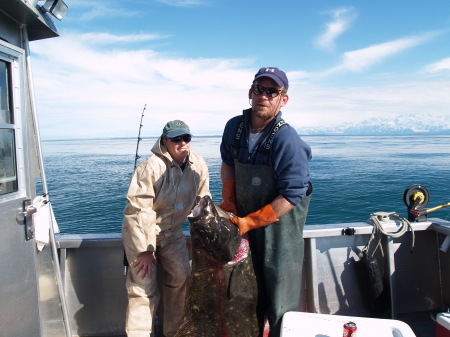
(143, 264)
(262, 217)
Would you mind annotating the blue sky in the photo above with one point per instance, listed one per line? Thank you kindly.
(347, 61)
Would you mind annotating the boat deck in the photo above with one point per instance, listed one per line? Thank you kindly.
(423, 324)
(91, 268)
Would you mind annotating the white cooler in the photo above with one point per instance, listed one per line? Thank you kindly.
(306, 324)
(443, 324)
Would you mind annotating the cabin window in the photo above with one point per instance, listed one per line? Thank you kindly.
(8, 174)
(5, 113)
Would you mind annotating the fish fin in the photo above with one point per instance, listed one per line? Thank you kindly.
(233, 284)
(187, 329)
(239, 285)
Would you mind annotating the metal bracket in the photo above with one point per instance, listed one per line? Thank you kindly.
(348, 231)
(27, 214)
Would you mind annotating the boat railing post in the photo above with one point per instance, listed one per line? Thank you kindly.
(392, 278)
(45, 188)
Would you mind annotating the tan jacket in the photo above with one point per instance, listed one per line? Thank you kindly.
(161, 196)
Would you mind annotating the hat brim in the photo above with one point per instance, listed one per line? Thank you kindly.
(178, 133)
(273, 77)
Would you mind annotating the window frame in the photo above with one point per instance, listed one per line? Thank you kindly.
(14, 56)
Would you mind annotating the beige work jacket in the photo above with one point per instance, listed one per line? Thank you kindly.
(161, 196)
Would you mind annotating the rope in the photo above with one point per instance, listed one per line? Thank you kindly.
(378, 230)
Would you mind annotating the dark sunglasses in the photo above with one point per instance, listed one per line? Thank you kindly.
(184, 138)
(270, 92)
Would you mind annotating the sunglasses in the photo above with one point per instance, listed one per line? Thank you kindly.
(270, 92)
(184, 138)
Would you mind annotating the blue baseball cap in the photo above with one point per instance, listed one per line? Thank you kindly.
(275, 74)
(175, 128)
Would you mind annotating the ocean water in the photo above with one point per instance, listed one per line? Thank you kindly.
(353, 176)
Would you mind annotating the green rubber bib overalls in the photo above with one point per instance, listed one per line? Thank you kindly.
(277, 249)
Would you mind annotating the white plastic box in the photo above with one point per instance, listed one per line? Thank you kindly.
(305, 324)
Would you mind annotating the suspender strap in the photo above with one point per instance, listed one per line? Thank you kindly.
(237, 138)
(272, 135)
(268, 144)
(266, 147)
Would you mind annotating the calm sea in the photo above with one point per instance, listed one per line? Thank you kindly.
(353, 176)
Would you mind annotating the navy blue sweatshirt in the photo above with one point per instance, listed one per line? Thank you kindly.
(289, 155)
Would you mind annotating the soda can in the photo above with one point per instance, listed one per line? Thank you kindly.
(350, 329)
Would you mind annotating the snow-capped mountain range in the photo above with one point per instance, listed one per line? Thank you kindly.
(401, 125)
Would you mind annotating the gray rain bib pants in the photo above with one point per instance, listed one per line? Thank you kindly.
(277, 249)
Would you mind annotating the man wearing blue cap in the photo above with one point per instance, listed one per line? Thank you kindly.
(162, 193)
(266, 184)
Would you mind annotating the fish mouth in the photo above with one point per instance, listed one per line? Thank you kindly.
(241, 252)
(195, 212)
(212, 229)
(204, 209)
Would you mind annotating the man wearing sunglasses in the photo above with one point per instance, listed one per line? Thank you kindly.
(161, 194)
(266, 184)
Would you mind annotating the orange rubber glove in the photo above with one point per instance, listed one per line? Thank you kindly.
(262, 217)
(229, 196)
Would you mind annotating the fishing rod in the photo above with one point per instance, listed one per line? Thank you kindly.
(136, 157)
(429, 210)
(139, 138)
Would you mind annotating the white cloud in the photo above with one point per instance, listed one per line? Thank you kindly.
(84, 91)
(362, 59)
(342, 21)
(315, 106)
(441, 65)
(93, 9)
(107, 38)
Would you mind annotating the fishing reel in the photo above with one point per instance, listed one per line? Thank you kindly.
(416, 198)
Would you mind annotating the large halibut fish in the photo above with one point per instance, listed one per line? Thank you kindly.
(222, 296)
